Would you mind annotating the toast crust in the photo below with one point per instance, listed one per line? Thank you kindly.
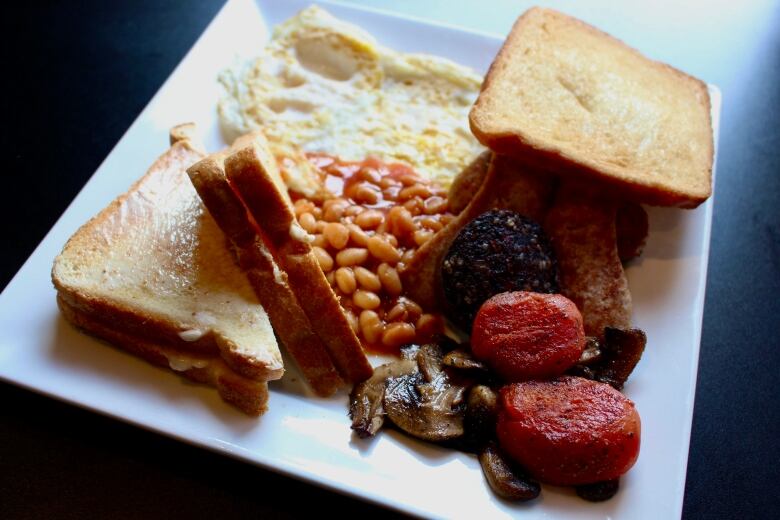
(660, 154)
(253, 173)
(248, 395)
(290, 323)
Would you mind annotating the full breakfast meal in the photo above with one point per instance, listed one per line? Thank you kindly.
(474, 229)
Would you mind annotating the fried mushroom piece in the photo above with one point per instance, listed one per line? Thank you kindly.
(365, 401)
(600, 491)
(481, 415)
(499, 251)
(612, 360)
(428, 404)
(505, 479)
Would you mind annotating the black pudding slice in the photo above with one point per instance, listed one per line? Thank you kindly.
(498, 251)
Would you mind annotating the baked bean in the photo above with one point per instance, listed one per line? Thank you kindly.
(303, 206)
(330, 278)
(357, 235)
(407, 256)
(319, 241)
(388, 182)
(335, 210)
(353, 321)
(434, 205)
(308, 222)
(365, 193)
(345, 279)
(391, 193)
(414, 310)
(422, 236)
(367, 279)
(398, 334)
(409, 179)
(431, 223)
(390, 279)
(337, 234)
(353, 210)
(371, 327)
(324, 258)
(393, 241)
(414, 205)
(370, 175)
(320, 226)
(383, 250)
(366, 299)
(351, 256)
(397, 313)
(382, 228)
(427, 325)
(369, 219)
(415, 190)
(401, 221)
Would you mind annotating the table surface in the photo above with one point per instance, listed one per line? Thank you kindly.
(76, 76)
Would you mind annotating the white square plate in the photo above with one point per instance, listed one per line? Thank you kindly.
(309, 438)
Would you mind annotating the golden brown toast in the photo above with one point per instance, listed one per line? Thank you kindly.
(270, 283)
(581, 225)
(249, 395)
(254, 174)
(507, 184)
(563, 94)
(153, 266)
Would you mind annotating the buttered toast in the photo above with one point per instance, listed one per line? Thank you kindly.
(271, 285)
(152, 274)
(563, 93)
(254, 174)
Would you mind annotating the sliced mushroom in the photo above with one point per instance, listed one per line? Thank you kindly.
(365, 405)
(427, 404)
(620, 353)
(428, 411)
(429, 361)
(617, 357)
(480, 420)
(600, 491)
(410, 351)
(592, 351)
(463, 360)
(506, 481)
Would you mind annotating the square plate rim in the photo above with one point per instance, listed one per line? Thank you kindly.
(312, 477)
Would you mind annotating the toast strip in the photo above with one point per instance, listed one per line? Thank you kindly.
(248, 395)
(507, 185)
(269, 282)
(582, 229)
(252, 171)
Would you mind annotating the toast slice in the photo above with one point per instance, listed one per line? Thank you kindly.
(270, 283)
(508, 184)
(249, 395)
(153, 268)
(563, 93)
(254, 174)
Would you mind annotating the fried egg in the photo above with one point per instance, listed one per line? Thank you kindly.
(324, 85)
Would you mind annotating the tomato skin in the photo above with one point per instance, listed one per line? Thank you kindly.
(526, 335)
(569, 431)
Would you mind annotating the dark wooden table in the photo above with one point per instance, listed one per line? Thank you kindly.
(76, 74)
